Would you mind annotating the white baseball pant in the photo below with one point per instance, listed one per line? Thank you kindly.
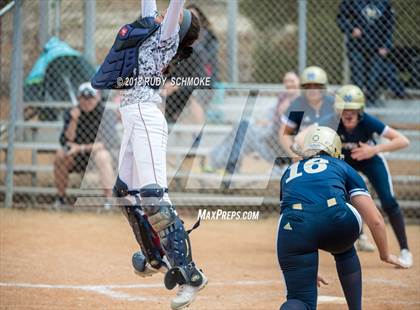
(142, 158)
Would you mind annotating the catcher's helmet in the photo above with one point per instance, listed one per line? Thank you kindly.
(322, 139)
(350, 97)
(313, 75)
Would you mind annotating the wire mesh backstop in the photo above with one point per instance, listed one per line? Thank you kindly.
(246, 48)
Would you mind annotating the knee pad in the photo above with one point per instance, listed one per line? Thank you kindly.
(150, 198)
(294, 304)
(163, 217)
(160, 213)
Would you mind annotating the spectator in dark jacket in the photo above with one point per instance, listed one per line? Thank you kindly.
(369, 26)
(83, 135)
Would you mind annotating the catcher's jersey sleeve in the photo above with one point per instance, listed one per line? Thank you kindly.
(170, 26)
(148, 8)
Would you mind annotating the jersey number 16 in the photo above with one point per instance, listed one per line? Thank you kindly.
(314, 165)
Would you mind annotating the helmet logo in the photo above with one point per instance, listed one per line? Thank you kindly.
(315, 138)
(348, 98)
(311, 76)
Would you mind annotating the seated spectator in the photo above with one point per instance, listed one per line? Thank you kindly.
(81, 126)
(313, 106)
(260, 136)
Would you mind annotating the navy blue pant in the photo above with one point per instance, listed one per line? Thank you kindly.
(370, 71)
(301, 234)
(376, 170)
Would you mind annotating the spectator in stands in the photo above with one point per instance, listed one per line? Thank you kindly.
(260, 136)
(313, 107)
(82, 124)
(202, 63)
(369, 26)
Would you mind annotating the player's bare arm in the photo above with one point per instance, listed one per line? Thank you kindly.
(286, 140)
(367, 208)
(397, 142)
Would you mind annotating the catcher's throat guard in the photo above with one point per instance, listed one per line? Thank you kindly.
(121, 61)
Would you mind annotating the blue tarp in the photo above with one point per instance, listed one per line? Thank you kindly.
(53, 49)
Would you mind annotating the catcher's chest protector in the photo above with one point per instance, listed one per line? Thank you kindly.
(121, 61)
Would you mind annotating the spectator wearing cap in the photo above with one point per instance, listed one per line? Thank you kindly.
(315, 106)
(78, 141)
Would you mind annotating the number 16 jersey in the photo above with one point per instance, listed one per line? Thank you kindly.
(319, 180)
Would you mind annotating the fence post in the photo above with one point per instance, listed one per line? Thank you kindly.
(302, 34)
(232, 40)
(44, 21)
(346, 66)
(57, 16)
(89, 31)
(15, 97)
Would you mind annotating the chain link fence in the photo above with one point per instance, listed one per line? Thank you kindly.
(246, 48)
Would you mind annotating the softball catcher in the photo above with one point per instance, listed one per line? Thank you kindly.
(147, 49)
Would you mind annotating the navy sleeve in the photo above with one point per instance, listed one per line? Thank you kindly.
(373, 125)
(66, 120)
(354, 182)
(293, 115)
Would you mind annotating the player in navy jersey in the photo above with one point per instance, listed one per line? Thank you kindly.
(314, 106)
(357, 131)
(315, 215)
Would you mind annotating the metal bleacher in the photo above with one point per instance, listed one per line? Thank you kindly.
(42, 138)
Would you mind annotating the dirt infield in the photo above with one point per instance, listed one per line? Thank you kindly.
(58, 260)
